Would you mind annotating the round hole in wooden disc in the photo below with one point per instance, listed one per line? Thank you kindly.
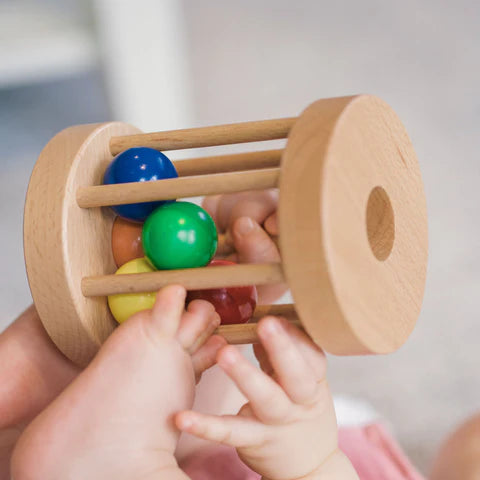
(338, 152)
(380, 223)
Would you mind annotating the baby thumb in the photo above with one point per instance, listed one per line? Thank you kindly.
(252, 242)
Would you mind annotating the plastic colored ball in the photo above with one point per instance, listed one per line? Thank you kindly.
(139, 164)
(179, 235)
(124, 305)
(126, 241)
(233, 304)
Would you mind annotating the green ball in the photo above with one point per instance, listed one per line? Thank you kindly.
(179, 235)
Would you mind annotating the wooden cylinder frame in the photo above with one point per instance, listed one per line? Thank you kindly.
(352, 222)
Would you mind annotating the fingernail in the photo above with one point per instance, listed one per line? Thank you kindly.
(187, 423)
(271, 327)
(181, 293)
(215, 322)
(243, 226)
(228, 358)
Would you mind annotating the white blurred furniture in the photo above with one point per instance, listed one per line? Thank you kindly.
(145, 61)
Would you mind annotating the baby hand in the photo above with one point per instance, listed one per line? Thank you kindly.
(288, 429)
(116, 419)
(241, 217)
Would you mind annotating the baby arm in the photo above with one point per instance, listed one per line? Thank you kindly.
(116, 419)
(248, 219)
(287, 430)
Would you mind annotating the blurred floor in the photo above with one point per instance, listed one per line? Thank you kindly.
(254, 60)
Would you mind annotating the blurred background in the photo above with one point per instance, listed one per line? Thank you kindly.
(165, 64)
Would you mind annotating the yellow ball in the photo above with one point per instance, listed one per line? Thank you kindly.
(124, 305)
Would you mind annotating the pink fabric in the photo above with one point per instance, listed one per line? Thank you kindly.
(371, 449)
(375, 454)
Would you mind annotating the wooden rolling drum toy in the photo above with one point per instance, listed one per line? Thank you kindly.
(352, 222)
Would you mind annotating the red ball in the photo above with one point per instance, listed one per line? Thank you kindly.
(233, 304)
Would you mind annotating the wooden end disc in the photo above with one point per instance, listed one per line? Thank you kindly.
(64, 243)
(353, 225)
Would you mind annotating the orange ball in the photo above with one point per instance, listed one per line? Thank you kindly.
(126, 241)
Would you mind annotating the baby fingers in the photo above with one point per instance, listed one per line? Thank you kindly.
(312, 353)
(268, 401)
(293, 372)
(168, 309)
(227, 429)
(197, 324)
(205, 356)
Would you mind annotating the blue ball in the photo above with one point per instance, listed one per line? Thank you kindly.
(139, 164)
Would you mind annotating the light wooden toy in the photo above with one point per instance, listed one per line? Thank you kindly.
(352, 222)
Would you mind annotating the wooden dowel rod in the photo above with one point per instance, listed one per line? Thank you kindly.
(225, 244)
(238, 334)
(229, 163)
(191, 278)
(286, 310)
(242, 334)
(206, 136)
(247, 333)
(124, 193)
